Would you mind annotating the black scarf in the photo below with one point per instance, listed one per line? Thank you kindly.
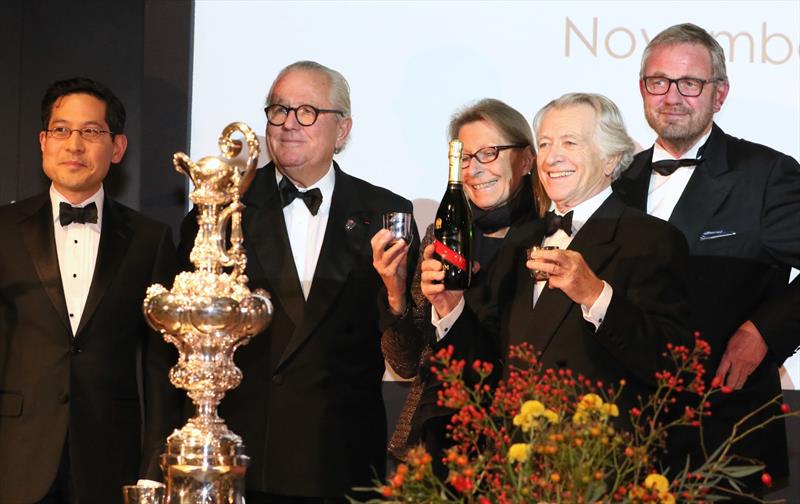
(489, 221)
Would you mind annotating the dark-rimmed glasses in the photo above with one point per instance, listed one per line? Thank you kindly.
(488, 154)
(88, 134)
(306, 115)
(689, 87)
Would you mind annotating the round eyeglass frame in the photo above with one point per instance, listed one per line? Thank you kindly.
(303, 108)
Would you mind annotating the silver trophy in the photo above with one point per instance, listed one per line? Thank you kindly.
(208, 314)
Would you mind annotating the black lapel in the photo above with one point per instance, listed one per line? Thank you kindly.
(710, 184)
(595, 242)
(115, 238)
(345, 236)
(39, 238)
(634, 183)
(265, 234)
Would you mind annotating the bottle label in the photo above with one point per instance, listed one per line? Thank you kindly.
(450, 255)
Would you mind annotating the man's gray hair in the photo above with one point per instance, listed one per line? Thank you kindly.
(688, 33)
(611, 137)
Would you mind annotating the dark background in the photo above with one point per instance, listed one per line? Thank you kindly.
(141, 49)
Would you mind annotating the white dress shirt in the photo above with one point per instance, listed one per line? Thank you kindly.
(595, 313)
(77, 246)
(665, 191)
(307, 231)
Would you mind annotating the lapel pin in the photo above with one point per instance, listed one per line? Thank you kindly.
(350, 224)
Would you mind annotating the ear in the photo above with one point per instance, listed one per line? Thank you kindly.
(610, 164)
(42, 139)
(342, 131)
(720, 93)
(528, 160)
(642, 90)
(120, 144)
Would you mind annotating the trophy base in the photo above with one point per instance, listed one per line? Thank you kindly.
(204, 469)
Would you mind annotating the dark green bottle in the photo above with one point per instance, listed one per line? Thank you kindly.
(453, 227)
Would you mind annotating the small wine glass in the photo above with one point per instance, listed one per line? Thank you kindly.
(399, 224)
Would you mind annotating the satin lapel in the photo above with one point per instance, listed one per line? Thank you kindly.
(595, 242)
(267, 243)
(345, 235)
(39, 238)
(634, 184)
(115, 237)
(706, 191)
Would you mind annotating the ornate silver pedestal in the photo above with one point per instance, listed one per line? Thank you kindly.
(208, 314)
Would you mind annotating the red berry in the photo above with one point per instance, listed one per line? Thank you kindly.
(785, 408)
(766, 479)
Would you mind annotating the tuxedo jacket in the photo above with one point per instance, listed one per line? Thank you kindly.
(644, 261)
(310, 408)
(85, 390)
(740, 214)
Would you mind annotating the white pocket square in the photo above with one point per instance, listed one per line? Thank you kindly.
(713, 235)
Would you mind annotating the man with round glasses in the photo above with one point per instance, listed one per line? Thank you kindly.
(309, 408)
(77, 360)
(738, 205)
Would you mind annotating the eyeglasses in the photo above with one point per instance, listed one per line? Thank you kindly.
(89, 134)
(687, 86)
(488, 154)
(306, 115)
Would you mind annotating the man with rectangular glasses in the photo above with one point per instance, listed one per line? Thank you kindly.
(738, 205)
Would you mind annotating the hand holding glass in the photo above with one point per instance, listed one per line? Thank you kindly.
(539, 276)
(399, 224)
(143, 494)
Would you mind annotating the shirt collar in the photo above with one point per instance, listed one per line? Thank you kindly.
(56, 198)
(325, 186)
(660, 154)
(582, 211)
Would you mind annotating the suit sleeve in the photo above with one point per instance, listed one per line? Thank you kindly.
(163, 402)
(649, 307)
(777, 317)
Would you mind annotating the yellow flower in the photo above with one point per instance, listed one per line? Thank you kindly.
(532, 408)
(610, 409)
(519, 452)
(657, 482)
(551, 416)
(590, 401)
(579, 418)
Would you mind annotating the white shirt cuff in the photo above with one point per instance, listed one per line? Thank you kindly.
(443, 324)
(597, 312)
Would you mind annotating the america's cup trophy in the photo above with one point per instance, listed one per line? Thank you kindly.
(208, 314)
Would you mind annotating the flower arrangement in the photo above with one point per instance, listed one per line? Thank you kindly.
(552, 436)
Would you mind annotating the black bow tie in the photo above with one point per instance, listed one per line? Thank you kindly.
(667, 167)
(312, 198)
(554, 222)
(67, 214)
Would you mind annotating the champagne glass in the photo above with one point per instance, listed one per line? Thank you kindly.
(399, 224)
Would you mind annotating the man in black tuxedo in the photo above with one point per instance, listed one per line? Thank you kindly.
(77, 361)
(615, 295)
(310, 409)
(738, 205)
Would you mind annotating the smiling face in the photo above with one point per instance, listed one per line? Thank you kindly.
(491, 185)
(569, 163)
(679, 120)
(304, 153)
(76, 166)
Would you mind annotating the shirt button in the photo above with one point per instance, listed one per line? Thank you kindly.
(75, 349)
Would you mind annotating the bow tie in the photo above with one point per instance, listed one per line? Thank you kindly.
(67, 214)
(554, 222)
(667, 167)
(312, 198)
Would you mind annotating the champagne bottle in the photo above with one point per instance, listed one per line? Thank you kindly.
(453, 227)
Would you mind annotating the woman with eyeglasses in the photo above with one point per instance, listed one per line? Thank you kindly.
(503, 191)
